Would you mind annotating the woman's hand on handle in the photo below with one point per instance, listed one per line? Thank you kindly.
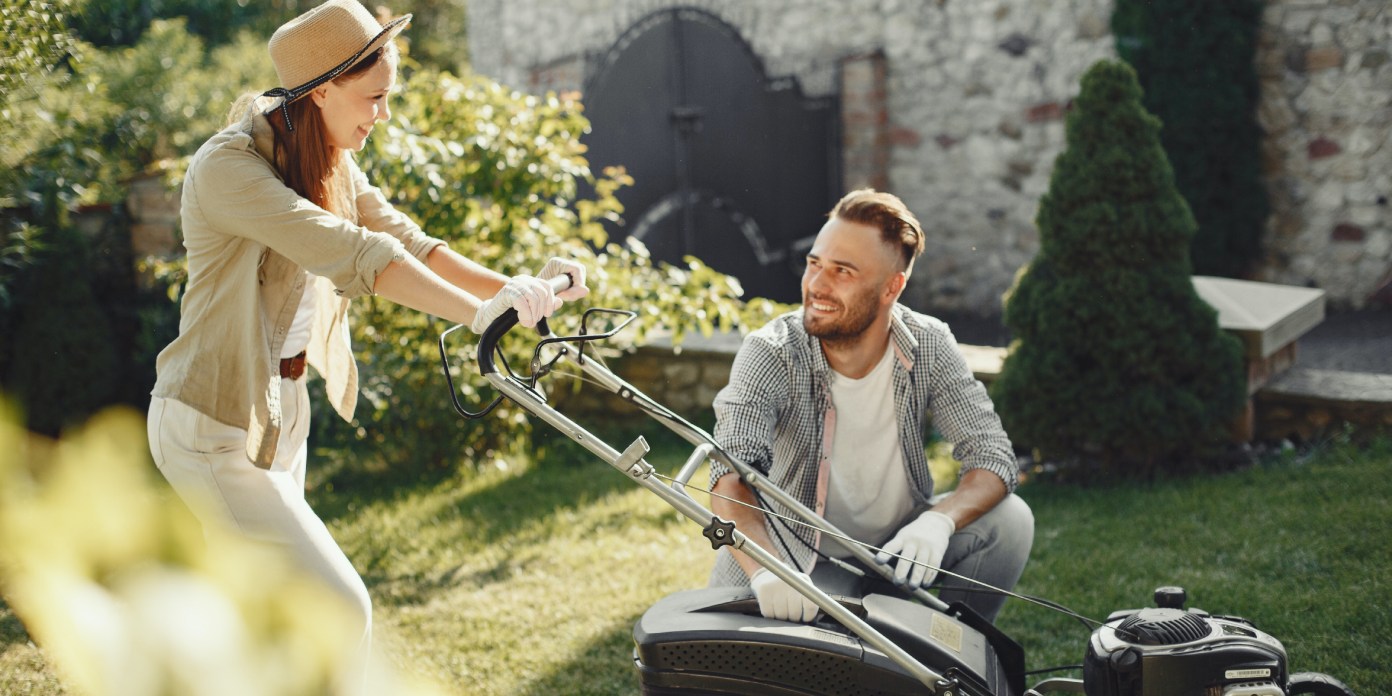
(558, 266)
(533, 299)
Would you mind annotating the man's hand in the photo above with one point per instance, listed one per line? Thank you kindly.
(531, 297)
(778, 599)
(923, 541)
(557, 266)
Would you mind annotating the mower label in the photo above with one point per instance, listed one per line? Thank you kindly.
(945, 631)
(1247, 673)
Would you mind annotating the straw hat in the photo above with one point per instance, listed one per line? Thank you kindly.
(321, 44)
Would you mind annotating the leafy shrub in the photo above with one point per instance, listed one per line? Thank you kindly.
(124, 22)
(495, 173)
(78, 138)
(1117, 361)
(62, 367)
(1196, 62)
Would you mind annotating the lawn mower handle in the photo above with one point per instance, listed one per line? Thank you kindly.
(721, 533)
(689, 432)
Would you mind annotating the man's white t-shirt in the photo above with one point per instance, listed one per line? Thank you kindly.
(867, 487)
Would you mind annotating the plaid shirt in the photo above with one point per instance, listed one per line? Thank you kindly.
(776, 414)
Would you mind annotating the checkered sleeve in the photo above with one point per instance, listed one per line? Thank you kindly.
(748, 407)
(963, 413)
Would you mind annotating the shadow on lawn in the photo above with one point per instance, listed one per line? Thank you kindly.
(568, 478)
(12, 631)
(338, 494)
(605, 668)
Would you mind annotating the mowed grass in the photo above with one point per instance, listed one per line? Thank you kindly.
(527, 580)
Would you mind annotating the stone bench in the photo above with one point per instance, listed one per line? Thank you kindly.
(1304, 403)
(1267, 318)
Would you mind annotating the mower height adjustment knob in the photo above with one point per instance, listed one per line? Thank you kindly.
(720, 532)
(1170, 597)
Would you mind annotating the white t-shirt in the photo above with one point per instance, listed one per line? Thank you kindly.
(867, 486)
(297, 338)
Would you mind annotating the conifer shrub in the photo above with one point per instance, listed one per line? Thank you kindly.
(1195, 60)
(1117, 363)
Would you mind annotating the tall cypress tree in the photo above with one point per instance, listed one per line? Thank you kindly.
(1195, 60)
(1116, 360)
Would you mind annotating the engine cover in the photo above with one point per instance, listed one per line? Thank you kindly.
(1178, 652)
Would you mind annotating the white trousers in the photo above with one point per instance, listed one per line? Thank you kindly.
(205, 461)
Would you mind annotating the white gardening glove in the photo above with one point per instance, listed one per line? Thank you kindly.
(778, 599)
(531, 297)
(923, 541)
(556, 266)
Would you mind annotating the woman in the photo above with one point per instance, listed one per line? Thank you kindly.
(282, 229)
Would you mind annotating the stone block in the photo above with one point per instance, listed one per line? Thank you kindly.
(1322, 147)
(1047, 111)
(1345, 232)
(1323, 58)
(154, 240)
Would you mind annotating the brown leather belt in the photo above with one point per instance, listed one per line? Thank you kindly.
(293, 368)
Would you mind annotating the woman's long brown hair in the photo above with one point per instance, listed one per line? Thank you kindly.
(307, 163)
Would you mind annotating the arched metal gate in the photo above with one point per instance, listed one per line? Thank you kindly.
(729, 166)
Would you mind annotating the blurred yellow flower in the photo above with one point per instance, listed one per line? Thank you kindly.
(117, 581)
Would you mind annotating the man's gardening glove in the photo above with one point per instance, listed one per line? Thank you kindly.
(923, 541)
(778, 599)
(556, 266)
(531, 297)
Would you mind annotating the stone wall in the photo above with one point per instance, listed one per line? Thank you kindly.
(973, 95)
(959, 109)
(1326, 77)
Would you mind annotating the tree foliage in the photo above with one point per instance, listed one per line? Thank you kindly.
(124, 22)
(62, 369)
(1117, 361)
(496, 173)
(79, 137)
(1196, 62)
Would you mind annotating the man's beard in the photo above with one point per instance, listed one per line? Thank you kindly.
(857, 315)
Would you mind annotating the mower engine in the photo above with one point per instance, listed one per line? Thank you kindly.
(1173, 651)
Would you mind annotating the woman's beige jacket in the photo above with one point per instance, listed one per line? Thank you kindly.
(254, 246)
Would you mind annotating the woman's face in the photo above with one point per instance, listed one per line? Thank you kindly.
(351, 107)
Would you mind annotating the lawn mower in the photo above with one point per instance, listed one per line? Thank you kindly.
(714, 640)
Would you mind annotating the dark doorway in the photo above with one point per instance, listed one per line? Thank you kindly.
(729, 166)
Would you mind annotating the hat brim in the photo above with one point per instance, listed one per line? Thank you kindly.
(390, 31)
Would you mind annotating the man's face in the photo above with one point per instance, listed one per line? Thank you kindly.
(848, 281)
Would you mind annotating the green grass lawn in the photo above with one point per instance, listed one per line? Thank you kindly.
(528, 580)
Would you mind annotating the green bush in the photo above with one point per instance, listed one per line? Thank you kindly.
(124, 22)
(77, 137)
(1117, 362)
(1196, 62)
(62, 368)
(496, 174)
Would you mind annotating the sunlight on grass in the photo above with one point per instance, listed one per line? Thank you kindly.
(515, 578)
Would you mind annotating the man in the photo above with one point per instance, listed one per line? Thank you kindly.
(829, 402)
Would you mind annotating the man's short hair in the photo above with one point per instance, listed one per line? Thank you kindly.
(884, 211)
